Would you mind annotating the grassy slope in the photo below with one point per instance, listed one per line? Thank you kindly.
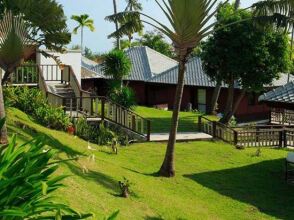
(161, 119)
(214, 180)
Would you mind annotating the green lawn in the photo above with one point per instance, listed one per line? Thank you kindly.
(213, 179)
(161, 119)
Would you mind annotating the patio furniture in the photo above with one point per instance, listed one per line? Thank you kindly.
(289, 166)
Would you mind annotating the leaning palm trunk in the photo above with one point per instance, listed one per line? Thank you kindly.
(168, 167)
(215, 96)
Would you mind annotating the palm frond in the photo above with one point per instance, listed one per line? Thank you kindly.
(279, 12)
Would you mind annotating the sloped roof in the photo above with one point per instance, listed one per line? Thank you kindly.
(194, 75)
(282, 94)
(150, 66)
(146, 63)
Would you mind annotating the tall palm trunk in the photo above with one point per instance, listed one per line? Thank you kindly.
(116, 25)
(3, 136)
(215, 96)
(82, 39)
(168, 167)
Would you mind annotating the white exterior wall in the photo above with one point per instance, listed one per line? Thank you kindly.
(71, 57)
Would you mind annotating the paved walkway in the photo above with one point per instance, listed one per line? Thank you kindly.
(181, 136)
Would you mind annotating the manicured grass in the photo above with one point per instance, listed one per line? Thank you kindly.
(161, 119)
(213, 179)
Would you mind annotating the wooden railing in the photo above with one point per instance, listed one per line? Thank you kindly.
(26, 74)
(281, 116)
(249, 136)
(83, 104)
(101, 108)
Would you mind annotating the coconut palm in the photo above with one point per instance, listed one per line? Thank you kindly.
(279, 12)
(83, 21)
(190, 22)
(130, 23)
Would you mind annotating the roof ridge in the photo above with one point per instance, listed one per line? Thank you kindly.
(163, 55)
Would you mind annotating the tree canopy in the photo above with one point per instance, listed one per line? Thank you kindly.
(242, 52)
(46, 19)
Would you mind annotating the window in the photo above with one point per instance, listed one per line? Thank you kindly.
(201, 100)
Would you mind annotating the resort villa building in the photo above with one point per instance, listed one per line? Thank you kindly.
(154, 76)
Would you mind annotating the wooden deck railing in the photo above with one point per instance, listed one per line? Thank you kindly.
(26, 74)
(249, 136)
(101, 108)
(83, 104)
(282, 116)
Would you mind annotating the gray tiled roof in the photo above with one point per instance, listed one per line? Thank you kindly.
(146, 63)
(194, 75)
(150, 66)
(282, 94)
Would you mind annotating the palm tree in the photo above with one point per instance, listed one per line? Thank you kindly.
(83, 21)
(127, 21)
(13, 47)
(190, 22)
(23, 30)
(116, 25)
(279, 12)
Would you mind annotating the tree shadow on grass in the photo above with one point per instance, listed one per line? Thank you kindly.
(100, 178)
(261, 185)
(48, 139)
(155, 174)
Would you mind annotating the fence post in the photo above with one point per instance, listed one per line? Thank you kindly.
(281, 138)
(148, 130)
(235, 138)
(102, 109)
(214, 129)
(285, 137)
(200, 123)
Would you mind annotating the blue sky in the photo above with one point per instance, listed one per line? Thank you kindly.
(98, 10)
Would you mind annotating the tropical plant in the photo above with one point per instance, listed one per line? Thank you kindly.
(278, 12)
(33, 102)
(27, 182)
(124, 96)
(83, 21)
(129, 24)
(117, 65)
(190, 22)
(218, 82)
(264, 55)
(95, 134)
(26, 25)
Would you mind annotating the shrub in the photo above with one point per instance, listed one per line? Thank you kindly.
(32, 102)
(52, 117)
(96, 134)
(124, 96)
(27, 183)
